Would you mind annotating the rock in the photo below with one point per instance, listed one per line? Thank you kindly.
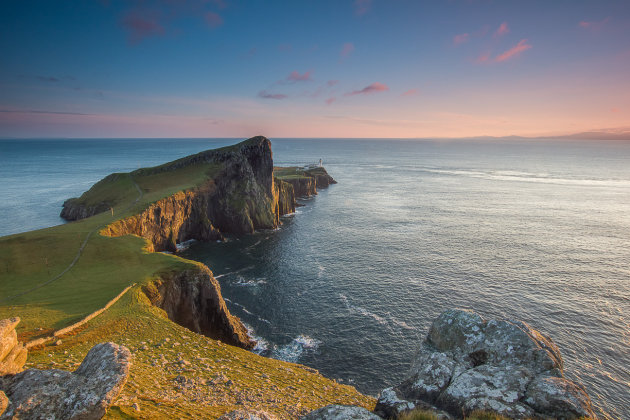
(467, 363)
(12, 353)
(4, 402)
(341, 412)
(247, 415)
(83, 394)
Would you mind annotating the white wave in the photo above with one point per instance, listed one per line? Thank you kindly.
(291, 352)
(389, 320)
(261, 345)
(234, 272)
(184, 245)
(240, 281)
(544, 178)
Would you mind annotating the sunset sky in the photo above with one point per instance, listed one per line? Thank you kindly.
(355, 68)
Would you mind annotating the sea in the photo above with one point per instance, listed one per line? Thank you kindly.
(532, 230)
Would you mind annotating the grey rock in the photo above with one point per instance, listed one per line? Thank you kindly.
(557, 397)
(467, 363)
(341, 412)
(57, 394)
(247, 415)
(13, 354)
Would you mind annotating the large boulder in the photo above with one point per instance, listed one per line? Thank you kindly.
(12, 353)
(341, 412)
(467, 363)
(57, 394)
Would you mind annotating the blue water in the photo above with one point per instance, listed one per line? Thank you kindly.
(532, 230)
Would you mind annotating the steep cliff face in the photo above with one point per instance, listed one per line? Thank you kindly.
(322, 179)
(241, 198)
(303, 186)
(192, 298)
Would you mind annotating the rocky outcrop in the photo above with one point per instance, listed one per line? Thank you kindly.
(322, 179)
(247, 415)
(304, 186)
(12, 353)
(241, 198)
(467, 363)
(73, 209)
(192, 298)
(341, 412)
(57, 394)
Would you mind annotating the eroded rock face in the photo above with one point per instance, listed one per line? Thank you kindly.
(57, 394)
(4, 402)
(12, 353)
(341, 412)
(192, 298)
(467, 363)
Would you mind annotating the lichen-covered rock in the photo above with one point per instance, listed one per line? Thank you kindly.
(247, 415)
(341, 412)
(13, 354)
(557, 397)
(390, 405)
(467, 363)
(58, 394)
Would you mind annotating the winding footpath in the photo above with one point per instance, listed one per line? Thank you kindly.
(81, 248)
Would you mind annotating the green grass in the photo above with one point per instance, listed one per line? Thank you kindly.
(110, 264)
(291, 172)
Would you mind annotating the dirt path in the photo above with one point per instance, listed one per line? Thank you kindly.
(81, 248)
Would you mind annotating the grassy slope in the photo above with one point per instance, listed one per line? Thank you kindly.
(226, 377)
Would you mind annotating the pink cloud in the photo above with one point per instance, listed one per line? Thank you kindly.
(594, 26)
(515, 51)
(267, 95)
(332, 83)
(213, 19)
(295, 76)
(502, 30)
(373, 88)
(410, 92)
(330, 100)
(142, 24)
(361, 7)
(483, 58)
(346, 49)
(460, 39)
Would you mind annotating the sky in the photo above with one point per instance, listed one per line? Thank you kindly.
(307, 68)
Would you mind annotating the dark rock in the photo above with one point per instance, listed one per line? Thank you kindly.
(57, 394)
(341, 412)
(192, 298)
(12, 353)
(467, 363)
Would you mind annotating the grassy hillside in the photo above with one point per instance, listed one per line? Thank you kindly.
(176, 373)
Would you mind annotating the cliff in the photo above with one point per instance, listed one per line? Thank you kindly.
(305, 182)
(192, 298)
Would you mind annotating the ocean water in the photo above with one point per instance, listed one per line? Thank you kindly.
(349, 284)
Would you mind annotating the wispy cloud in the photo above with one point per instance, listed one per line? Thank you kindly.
(373, 88)
(295, 76)
(268, 95)
(142, 24)
(594, 25)
(213, 19)
(346, 49)
(361, 7)
(513, 52)
(502, 30)
(410, 92)
(34, 111)
(332, 83)
(483, 57)
(330, 100)
(461, 38)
